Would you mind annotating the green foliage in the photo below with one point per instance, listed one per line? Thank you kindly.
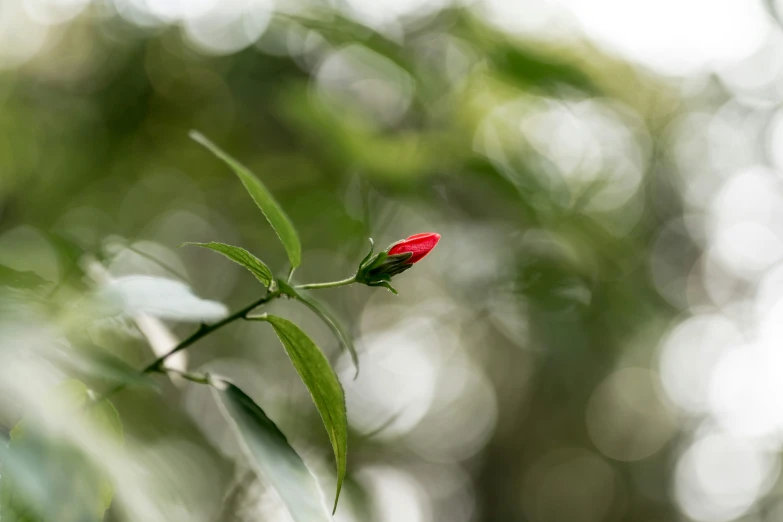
(16, 279)
(266, 202)
(552, 292)
(97, 364)
(241, 257)
(272, 456)
(323, 385)
(328, 317)
(47, 478)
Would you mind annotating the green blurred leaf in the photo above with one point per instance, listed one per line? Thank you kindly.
(242, 257)
(46, 478)
(324, 387)
(527, 67)
(94, 363)
(334, 324)
(16, 279)
(272, 456)
(266, 202)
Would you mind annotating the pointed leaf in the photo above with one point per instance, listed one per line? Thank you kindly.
(321, 381)
(263, 198)
(242, 257)
(272, 456)
(327, 316)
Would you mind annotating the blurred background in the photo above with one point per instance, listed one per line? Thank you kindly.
(598, 336)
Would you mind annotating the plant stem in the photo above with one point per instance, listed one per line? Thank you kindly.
(205, 330)
(157, 364)
(193, 377)
(331, 284)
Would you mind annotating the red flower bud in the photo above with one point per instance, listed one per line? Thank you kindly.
(419, 245)
(378, 269)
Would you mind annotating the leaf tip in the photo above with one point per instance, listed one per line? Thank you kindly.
(197, 136)
(337, 497)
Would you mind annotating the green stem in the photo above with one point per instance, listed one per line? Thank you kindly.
(194, 377)
(331, 284)
(155, 366)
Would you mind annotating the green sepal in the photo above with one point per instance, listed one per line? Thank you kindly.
(382, 267)
(369, 254)
(387, 285)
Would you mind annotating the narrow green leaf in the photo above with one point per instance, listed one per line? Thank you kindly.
(321, 381)
(241, 257)
(327, 316)
(272, 456)
(266, 202)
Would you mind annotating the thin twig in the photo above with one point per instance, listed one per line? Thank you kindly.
(331, 284)
(201, 378)
(205, 330)
(156, 366)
